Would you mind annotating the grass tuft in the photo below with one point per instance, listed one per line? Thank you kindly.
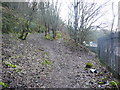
(3, 84)
(88, 65)
(47, 62)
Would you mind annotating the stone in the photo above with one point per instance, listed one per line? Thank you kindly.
(93, 70)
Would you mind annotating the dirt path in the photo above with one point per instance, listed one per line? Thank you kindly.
(67, 65)
(66, 71)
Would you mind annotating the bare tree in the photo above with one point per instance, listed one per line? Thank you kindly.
(28, 17)
(52, 17)
(49, 16)
(85, 16)
(113, 19)
(42, 14)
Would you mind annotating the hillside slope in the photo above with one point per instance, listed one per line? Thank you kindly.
(49, 64)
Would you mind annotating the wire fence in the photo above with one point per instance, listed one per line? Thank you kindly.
(93, 49)
(109, 52)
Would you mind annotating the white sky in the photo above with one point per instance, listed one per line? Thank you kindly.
(107, 18)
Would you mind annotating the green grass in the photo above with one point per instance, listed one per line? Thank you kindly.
(101, 83)
(104, 78)
(17, 70)
(10, 65)
(89, 65)
(45, 53)
(50, 36)
(114, 83)
(3, 84)
(15, 56)
(47, 62)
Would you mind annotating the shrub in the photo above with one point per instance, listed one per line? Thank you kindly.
(48, 37)
(58, 35)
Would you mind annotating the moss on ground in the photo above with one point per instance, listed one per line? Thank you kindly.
(89, 65)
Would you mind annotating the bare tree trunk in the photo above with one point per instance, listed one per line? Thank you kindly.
(25, 36)
(76, 20)
(46, 29)
(113, 21)
(22, 33)
(54, 33)
(85, 15)
(27, 24)
(26, 32)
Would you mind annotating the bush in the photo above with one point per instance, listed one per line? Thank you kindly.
(42, 29)
(49, 37)
(58, 35)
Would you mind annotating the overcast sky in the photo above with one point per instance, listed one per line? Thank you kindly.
(107, 18)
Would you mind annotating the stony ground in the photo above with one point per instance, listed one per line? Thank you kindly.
(65, 69)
